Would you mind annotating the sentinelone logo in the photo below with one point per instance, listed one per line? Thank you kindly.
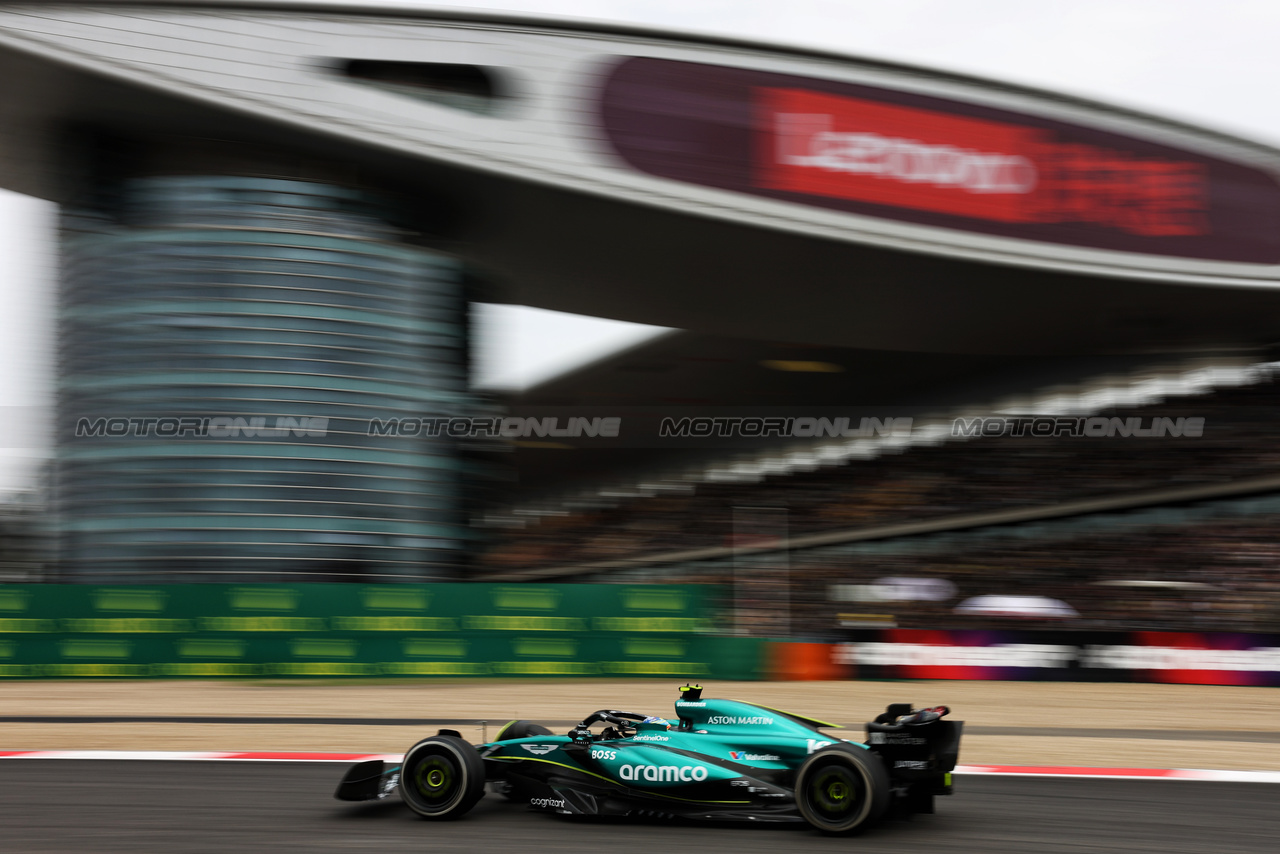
(1076, 427)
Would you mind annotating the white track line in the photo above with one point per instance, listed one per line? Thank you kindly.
(198, 756)
(1123, 773)
(977, 770)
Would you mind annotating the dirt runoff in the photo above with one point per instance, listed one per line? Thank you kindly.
(1171, 709)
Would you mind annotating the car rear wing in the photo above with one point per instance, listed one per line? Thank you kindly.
(917, 745)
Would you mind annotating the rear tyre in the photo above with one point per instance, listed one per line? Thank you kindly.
(842, 789)
(516, 729)
(442, 777)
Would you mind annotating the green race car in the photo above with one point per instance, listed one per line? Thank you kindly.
(719, 760)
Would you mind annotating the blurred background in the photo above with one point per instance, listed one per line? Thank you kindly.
(348, 219)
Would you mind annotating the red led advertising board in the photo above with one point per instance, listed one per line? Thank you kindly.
(1189, 658)
(852, 148)
(932, 161)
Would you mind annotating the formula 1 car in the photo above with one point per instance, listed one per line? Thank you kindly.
(722, 760)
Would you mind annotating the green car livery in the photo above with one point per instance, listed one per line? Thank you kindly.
(718, 760)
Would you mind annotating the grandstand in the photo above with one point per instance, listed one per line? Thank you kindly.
(1170, 532)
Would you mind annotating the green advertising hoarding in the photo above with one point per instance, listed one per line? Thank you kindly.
(354, 630)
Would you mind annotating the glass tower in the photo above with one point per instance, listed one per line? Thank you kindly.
(226, 343)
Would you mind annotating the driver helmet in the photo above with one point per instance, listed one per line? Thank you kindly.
(656, 720)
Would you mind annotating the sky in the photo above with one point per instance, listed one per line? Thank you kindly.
(1209, 63)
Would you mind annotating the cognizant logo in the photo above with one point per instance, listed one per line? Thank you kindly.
(546, 802)
(663, 773)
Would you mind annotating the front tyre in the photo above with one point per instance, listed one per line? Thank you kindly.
(842, 789)
(442, 777)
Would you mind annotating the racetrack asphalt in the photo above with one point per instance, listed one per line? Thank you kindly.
(1257, 736)
(186, 807)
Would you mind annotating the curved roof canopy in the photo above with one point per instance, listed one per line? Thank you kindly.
(720, 186)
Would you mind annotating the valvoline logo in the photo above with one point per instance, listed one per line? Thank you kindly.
(752, 757)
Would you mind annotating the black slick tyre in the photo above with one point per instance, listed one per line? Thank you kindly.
(521, 729)
(442, 777)
(516, 729)
(842, 789)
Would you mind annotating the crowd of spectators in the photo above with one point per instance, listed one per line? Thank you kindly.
(1214, 575)
(1217, 573)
